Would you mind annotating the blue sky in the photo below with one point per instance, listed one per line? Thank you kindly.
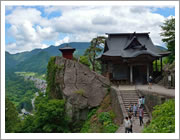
(30, 27)
(166, 12)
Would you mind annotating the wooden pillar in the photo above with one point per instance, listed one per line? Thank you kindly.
(108, 70)
(147, 72)
(131, 74)
(161, 65)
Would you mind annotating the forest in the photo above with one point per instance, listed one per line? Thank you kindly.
(19, 91)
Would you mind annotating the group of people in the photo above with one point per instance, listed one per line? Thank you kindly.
(132, 112)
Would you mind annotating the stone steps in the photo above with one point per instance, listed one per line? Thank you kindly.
(130, 97)
(129, 100)
(124, 97)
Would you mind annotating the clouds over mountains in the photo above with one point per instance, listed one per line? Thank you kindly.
(33, 27)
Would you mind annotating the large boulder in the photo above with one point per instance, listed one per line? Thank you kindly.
(82, 88)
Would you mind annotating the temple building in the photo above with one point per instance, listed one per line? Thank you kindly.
(67, 52)
(128, 58)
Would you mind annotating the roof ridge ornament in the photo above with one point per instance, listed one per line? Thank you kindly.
(67, 45)
(143, 47)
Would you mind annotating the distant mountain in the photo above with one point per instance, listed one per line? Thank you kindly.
(10, 62)
(161, 48)
(37, 59)
(36, 63)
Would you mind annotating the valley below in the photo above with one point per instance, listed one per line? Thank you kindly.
(39, 82)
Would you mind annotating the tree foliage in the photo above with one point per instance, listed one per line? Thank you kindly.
(11, 116)
(84, 60)
(94, 49)
(101, 119)
(163, 119)
(19, 91)
(52, 69)
(168, 35)
(50, 117)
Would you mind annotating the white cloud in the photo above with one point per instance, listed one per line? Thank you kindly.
(50, 9)
(64, 40)
(44, 46)
(47, 33)
(103, 20)
(80, 23)
(19, 15)
(11, 46)
(29, 29)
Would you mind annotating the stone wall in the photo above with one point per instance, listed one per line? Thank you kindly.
(165, 82)
(152, 99)
(116, 106)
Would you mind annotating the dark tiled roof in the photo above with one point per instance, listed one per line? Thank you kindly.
(120, 44)
(67, 48)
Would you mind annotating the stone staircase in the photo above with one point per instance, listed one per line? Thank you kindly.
(130, 97)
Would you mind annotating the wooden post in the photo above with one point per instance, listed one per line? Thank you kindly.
(108, 70)
(147, 72)
(161, 65)
(131, 74)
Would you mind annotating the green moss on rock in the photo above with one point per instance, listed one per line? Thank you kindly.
(53, 88)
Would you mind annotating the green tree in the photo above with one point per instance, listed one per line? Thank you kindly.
(94, 49)
(27, 104)
(163, 119)
(50, 117)
(84, 60)
(168, 35)
(11, 116)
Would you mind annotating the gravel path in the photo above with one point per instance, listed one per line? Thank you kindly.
(157, 89)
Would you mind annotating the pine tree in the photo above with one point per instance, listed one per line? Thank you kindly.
(94, 49)
(11, 116)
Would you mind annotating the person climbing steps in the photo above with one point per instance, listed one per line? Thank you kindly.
(141, 115)
(126, 125)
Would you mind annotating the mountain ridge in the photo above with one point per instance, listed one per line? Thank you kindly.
(25, 60)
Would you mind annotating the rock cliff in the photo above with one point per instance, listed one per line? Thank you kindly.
(82, 88)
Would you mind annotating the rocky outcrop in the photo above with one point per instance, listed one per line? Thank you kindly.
(82, 88)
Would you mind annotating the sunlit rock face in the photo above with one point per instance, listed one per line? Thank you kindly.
(82, 88)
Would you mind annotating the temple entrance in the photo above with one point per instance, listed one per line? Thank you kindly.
(120, 72)
(140, 74)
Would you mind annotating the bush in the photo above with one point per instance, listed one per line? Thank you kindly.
(110, 127)
(163, 119)
(100, 120)
(86, 127)
(92, 112)
(104, 117)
